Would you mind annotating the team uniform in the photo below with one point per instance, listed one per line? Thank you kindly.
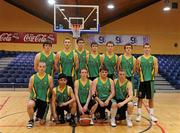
(120, 96)
(93, 66)
(147, 75)
(66, 65)
(83, 93)
(103, 92)
(110, 63)
(127, 65)
(49, 60)
(62, 97)
(40, 94)
(82, 61)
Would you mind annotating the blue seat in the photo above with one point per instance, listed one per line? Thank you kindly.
(19, 80)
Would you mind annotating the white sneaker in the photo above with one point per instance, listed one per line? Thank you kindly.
(91, 122)
(138, 118)
(153, 118)
(113, 122)
(129, 122)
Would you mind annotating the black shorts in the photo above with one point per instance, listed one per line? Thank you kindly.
(91, 104)
(60, 110)
(129, 78)
(146, 89)
(121, 112)
(101, 110)
(41, 108)
(92, 78)
(111, 76)
(70, 82)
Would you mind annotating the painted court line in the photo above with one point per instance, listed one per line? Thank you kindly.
(1, 106)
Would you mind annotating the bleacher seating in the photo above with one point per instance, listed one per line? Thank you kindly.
(18, 72)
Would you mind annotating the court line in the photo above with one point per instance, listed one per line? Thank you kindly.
(2, 105)
(157, 123)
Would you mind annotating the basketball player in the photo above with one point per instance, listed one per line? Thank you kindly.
(94, 61)
(67, 60)
(82, 54)
(123, 97)
(110, 60)
(40, 86)
(46, 56)
(103, 92)
(63, 99)
(83, 94)
(147, 66)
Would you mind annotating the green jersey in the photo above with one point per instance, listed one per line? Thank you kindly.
(83, 91)
(146, 68)
(110, 63)
(82, 61)
(128, 65)
(61, 96)
(93, 65)
(41, 88)
(103, 89)
(67, 63)
(120, 91)
(49, 60)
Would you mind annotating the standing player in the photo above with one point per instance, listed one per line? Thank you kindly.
(82, 54)
(63, 99)
(46, 56)
(147, 66)
(94, 61)
(40, 85)
(110, 60)
(83, 94)
(103, 92)
(67, 60)
(123, 97)
(127, 62)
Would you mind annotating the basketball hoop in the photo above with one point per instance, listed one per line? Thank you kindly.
(76, 30)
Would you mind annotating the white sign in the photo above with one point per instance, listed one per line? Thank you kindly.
(120, 39)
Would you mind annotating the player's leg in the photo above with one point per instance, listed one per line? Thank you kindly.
(73, 110)
(113, 109)
(129, 112)
(30, 111)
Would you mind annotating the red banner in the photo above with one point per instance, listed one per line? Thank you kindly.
(27, 37)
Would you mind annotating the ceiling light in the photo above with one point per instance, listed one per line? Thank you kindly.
(167, 6)
(62, 9)
(110, 6)
(51, 2)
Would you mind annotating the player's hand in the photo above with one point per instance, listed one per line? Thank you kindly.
(120, 104)
(101, 104)
(63, 104)
(81, 110)
(85, 108)
(106, 102)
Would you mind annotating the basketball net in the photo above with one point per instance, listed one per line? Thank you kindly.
(76, 30)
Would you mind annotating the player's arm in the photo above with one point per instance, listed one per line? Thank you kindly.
(76, 61)
(31, 83)
(94, 92)
(71, 95)
(89, 96)
(112, 91)
(54, 103)
(134, 66)
(116, 65)
(36, 61)
(76, 86)
(51, 84)
(102, 58)
(138, 65)
(56, 61)
(155, 66)
(130, 93)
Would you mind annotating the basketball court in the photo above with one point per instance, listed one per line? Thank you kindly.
(85, 20)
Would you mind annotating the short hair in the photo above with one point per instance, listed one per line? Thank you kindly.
(84, 68)
(94, 43)
(122, 70)
(79, 39)
(128, 44)
(62, 75)
(103, 67)
(67, 38)
(110, 42)
(49, 42)
(146, 44)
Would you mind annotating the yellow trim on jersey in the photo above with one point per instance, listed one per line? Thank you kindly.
(47, 55)
(103, 80)
(41, 77)
(62, 89)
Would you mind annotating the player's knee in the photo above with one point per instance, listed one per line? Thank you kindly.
(114, 106)
(30, 104)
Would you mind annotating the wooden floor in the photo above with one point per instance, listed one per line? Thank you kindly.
(13, 117)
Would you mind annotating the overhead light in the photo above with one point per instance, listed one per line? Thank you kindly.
(51, 2)
(94, 19)
(62, 9)
(110, 6)
(167, 6)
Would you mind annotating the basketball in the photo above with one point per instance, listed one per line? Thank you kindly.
(85, 120)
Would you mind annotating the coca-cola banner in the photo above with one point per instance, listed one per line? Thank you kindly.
(27, 37)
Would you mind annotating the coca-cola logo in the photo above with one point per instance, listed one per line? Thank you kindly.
(6, 37)
(36, 38)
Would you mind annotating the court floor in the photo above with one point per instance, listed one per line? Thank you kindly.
(13, 117)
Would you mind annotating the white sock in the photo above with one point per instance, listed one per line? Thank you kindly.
(139, 111)
(128, 116)
(151, 111)
(113, 113)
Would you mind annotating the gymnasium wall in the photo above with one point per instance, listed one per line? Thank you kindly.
(162, 28)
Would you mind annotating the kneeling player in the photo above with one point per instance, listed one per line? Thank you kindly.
(63, 99)
(123, 97)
